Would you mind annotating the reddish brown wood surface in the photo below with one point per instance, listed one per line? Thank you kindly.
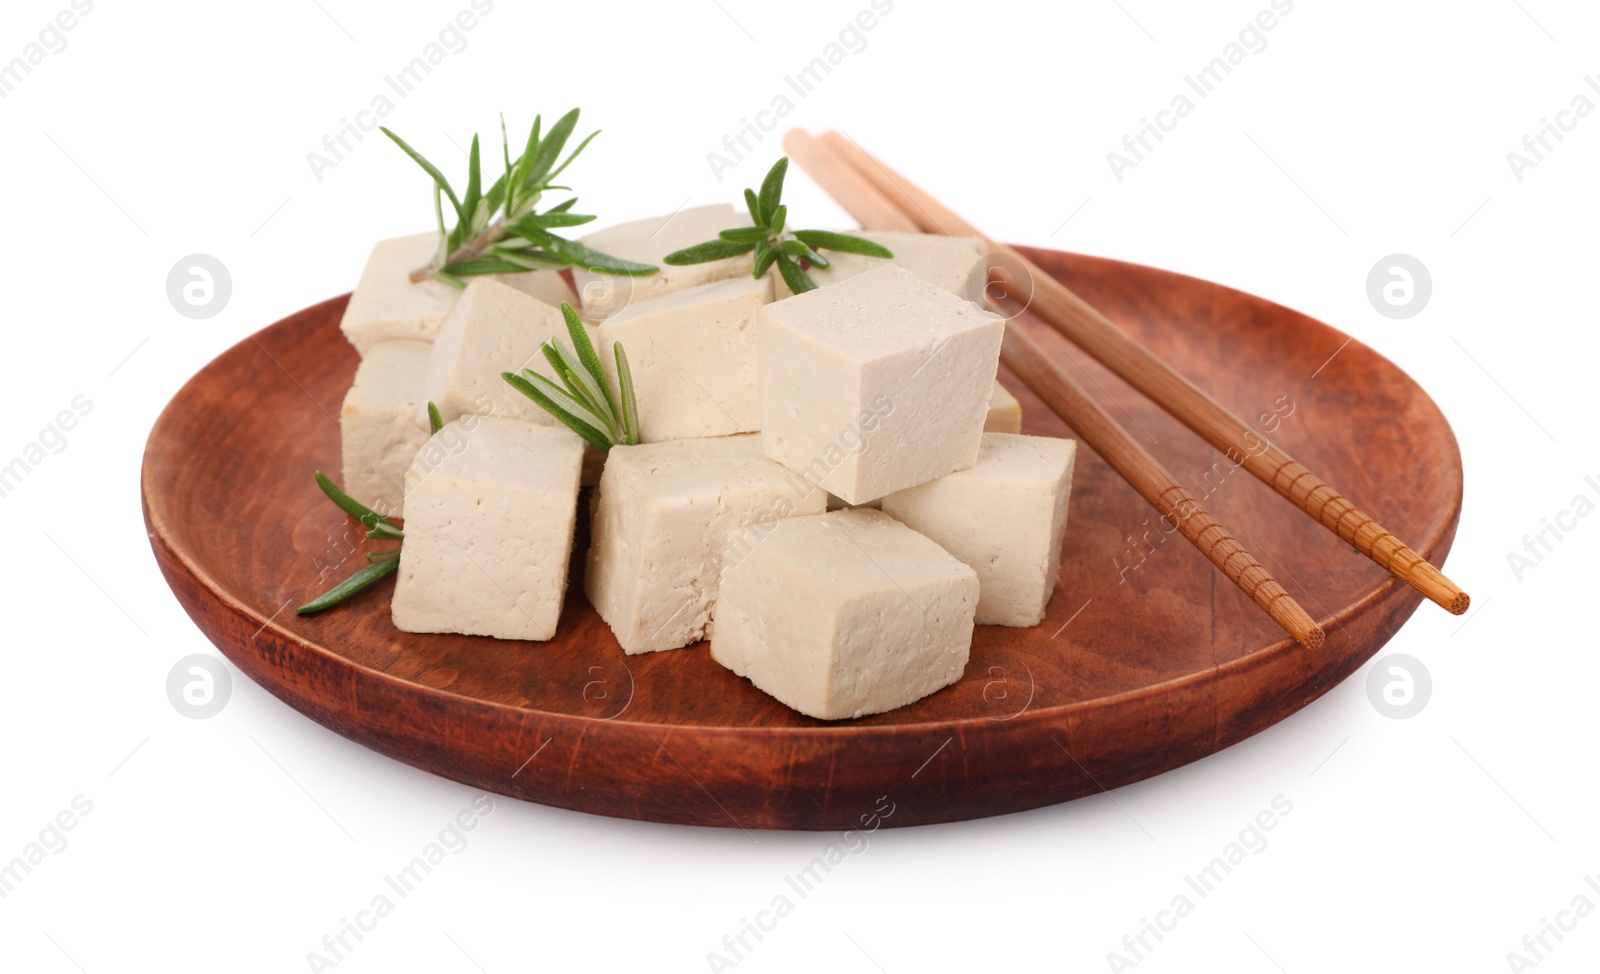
(1159, 666)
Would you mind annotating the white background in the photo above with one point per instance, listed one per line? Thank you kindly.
(1363, 129)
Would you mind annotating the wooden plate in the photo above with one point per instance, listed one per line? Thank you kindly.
(1136, 670)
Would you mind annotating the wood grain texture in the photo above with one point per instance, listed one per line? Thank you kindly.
(1135, 671)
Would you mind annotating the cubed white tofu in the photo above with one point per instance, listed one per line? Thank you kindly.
(379, 429)
(845, 614)
(662, 518)
(490, 509)
(956, 264)
(494, 328)
(876, 384)
(548, 286)
(647, 241)
(386, 305)
(1005, 413)
(1004, 516)
(693, 358)
(837, 503)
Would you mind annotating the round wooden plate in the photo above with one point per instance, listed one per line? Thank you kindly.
(1148, 659)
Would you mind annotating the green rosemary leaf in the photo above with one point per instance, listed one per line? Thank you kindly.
(441, 254)
(429, 168)
(533, 139)
(794, 248)
(500, 184)
(586, 353)
(559, 366)
(551, 219)
(772, 194)
(516, 176)
(766, 253)
(486, 219)
(549, 150)
(485, 265)
(571, 421)
(574, 388)
(586, 395)
(780, 218)
(817, 260)
(574, 400)
(793, 276)
(352, 586)
(630, 401)
(386, 531)
(843, 242)
(592, 260)
(435, 421)
(708, 251)
(495, 199)
(350, 505)
(744, 235)
(753, 204)
(528, 259)
(574, 153)
(474, 193)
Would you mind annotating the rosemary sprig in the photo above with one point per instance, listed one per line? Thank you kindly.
(499, 230)
(381, 564)
(790, 252)
(584, 400)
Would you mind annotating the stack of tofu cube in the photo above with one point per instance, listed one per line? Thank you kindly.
(832, 487)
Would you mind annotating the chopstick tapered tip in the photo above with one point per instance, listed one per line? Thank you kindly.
(796, 139)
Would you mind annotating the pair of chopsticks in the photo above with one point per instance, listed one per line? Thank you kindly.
(881, 199)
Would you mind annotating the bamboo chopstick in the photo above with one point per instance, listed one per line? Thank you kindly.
(1124, 355)
(1022, 354)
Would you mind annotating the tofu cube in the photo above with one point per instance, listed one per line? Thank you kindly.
(693, 358)
(386, 305)
(547, 286)
(845, 614)
(494, 328)
(490, 509)
(380, 431)
(647, 241)
(662, 518)
(1005, 413)
(1004, 516)
(1005, 416)
(836, 503)
(956, 264)
(876, 384)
